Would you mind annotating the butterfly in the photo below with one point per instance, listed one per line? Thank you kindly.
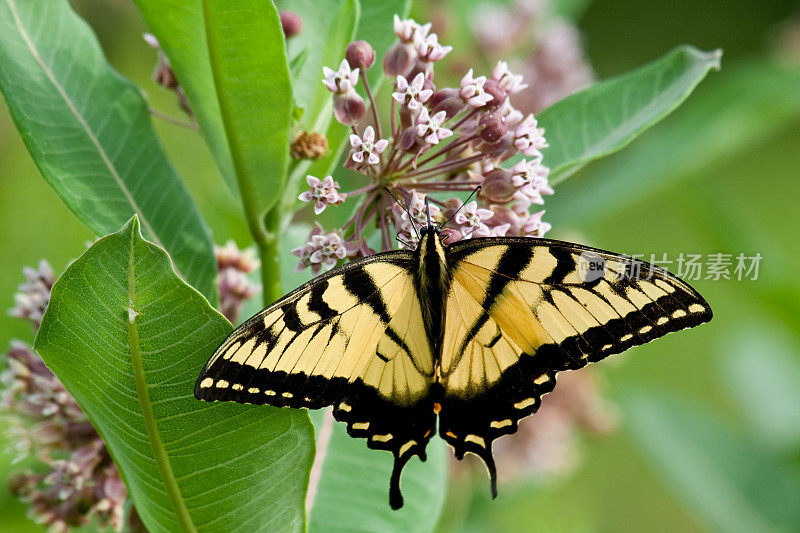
(471, 333)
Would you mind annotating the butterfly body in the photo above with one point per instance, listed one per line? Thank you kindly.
(470, 334)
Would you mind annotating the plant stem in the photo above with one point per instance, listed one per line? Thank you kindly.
(269, 253)
(372, 104)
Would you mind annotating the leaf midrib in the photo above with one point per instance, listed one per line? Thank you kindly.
(148, 415)
(82, 121)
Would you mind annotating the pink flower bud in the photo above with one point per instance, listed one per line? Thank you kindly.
(291, 22)
(501, 149)
(399, 59)
(448, 100)
(360, 54)
(492, 127)
(421, 67)
(499, 94)
(164, 75)
(408, 140)
(497, 186)
(349, 108)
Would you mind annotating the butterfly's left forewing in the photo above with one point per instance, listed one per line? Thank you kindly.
(352, 338)
(521, 310)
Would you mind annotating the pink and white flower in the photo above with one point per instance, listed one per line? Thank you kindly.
(412, 95)
(528, 138)
(408, 30)
(512, 116)
(472, 90)
(520, 222)
(340, 81)
(512, 83)
(365, 149)
(429, 49)
(323, 193)
(321, 250)
(430, 127)
(530, 179)
(472, 220)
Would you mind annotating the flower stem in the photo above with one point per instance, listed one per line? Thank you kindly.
(372, 104)
(449, 147)
(447, 166)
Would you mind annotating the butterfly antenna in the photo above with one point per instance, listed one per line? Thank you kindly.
(476, 189)
(404, 208)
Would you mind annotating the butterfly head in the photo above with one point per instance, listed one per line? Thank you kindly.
(430, 228)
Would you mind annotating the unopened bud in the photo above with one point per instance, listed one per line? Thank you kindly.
(408, 140)
(349, 108)
(291, 22)
(497, 186)
(165, 76)
(499, 95)
(448, 100)
(360, 54)
(420, 66)
(501, 149)
(399, 59)
(492, 127)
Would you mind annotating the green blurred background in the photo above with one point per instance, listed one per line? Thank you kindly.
(709, 421)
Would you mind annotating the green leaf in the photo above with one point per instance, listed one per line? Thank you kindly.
(707, 129)
(247, 50)
(759, 369)
(178, 25)
(323, 40)
(128, 338)
(89, 132)
(607, 116)
(731, 483)
(352, 491)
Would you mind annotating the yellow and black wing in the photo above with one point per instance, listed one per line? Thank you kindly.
(519, 310)
(352, 338)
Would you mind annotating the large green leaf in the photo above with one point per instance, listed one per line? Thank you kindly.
(607, 116)
(728, 481)
(247, 51)
(352, 491)
(178, 25)
(128, 338)
(707, 129)
(90, 134)
(759, 369)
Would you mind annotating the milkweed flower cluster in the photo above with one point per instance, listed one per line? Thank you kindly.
(440, 142)
(554, 61)
(233, 283)
(74, 481)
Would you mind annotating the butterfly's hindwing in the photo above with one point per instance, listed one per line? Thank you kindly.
(521, 310)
